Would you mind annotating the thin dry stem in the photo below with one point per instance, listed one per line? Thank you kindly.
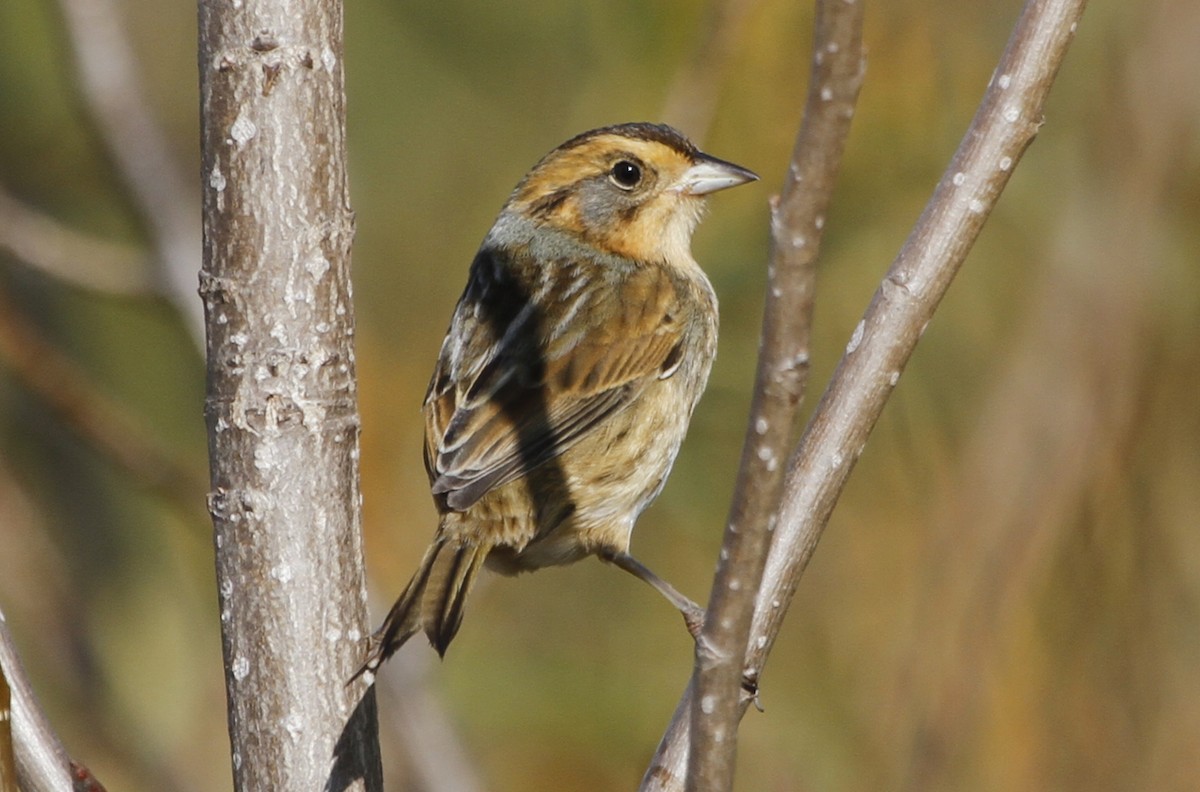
(797, 224)
(883, 342)
(1064, 414)
(41, 761)
(436, 758)
(880, 346)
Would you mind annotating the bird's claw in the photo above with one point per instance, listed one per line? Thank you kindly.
(750, 688)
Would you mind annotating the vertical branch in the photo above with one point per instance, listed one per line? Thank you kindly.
(1005, 124)
(797, 222)
(281, 403)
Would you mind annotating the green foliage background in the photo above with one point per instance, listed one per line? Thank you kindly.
(1009, 593)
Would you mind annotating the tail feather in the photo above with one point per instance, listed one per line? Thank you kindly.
(452, 574)
(433, 600)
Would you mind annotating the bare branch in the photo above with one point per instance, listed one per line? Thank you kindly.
(41, 761)
(43, 243)
(797, 223)
(882, 343)
(162, 190)
(281, 403)
(1004, 125)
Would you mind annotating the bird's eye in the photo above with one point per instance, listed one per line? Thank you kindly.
(625, 174)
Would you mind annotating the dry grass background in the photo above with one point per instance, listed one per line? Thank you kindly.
(1008, 596)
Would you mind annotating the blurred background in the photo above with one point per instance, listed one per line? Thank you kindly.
(1008, 596)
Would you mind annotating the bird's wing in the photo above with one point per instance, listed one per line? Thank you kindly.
(536, 357)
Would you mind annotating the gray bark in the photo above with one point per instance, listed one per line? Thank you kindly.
(281, 403)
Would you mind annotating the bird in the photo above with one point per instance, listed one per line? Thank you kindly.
(568, 375)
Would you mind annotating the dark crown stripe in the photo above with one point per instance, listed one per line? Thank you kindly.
(658, 133)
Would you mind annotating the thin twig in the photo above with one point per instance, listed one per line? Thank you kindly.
(883, 342)
(163, 192)
(1004, 125)
(797, 223)
(41, 761)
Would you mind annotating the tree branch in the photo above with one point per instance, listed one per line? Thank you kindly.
(1065, 409)
(41, 761)
(879, 348)
(883, 342)
(797, 223)
(281, 405)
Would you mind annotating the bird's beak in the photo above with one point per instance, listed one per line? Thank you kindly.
(710, 174)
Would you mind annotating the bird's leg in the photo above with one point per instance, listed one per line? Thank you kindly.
(693, 614)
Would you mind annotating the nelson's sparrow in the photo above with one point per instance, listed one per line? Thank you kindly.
(569, 373)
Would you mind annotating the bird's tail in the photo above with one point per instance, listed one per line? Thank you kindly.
(433, 600)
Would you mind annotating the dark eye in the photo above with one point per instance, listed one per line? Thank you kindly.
(625, 174)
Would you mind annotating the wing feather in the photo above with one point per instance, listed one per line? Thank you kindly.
(514, 387)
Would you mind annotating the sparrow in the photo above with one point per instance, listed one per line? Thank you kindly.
(569, 372)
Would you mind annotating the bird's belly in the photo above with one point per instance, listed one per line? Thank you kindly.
(606, 481)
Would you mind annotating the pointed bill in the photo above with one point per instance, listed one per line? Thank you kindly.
(710, 174)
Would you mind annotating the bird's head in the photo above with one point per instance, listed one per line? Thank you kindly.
(633, 190)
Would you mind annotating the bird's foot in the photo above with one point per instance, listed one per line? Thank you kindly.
(750, 687)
